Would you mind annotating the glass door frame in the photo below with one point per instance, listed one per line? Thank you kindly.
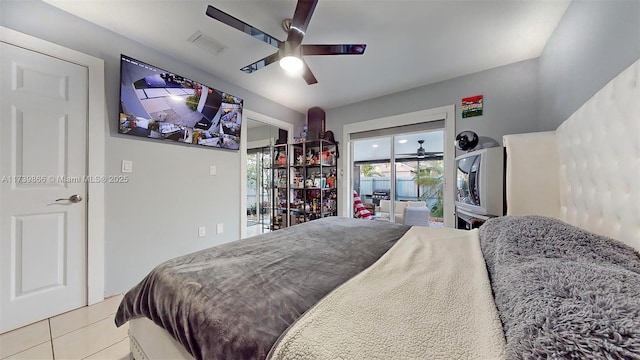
(393, 162)
(446, 113)
(392, 173)
(242, 165)
(261, 153)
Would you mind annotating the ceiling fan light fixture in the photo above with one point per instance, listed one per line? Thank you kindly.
(291, 59)
(291, 63)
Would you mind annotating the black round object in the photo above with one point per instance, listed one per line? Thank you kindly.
(328, 135)
(466, 140)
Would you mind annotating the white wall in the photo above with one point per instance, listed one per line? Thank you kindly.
(170, 194)
(594, 42)
(510, 102)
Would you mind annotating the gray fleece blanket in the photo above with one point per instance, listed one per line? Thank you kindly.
(562, 292)
(234, 300)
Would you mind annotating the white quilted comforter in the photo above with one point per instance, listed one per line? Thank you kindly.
(428, 297)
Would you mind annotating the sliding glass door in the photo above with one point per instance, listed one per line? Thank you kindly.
(401, 170)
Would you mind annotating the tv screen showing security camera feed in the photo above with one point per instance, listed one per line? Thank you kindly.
(158, 104)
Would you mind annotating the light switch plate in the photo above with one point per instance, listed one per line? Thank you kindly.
(127, 166)
(219, 229)
(212, 170)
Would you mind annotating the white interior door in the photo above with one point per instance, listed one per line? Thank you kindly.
(43, 158)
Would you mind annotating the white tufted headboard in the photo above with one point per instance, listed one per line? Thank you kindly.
(597, 165)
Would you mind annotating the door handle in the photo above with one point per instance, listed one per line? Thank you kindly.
(73, 198)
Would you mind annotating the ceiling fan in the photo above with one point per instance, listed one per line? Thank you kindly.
(290, 51)
(421, 153)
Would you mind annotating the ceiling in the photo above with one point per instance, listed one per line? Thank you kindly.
(410, 43)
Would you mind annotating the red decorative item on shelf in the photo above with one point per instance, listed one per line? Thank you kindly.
(326, 158)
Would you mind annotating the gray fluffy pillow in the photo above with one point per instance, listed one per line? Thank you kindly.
(562, 292)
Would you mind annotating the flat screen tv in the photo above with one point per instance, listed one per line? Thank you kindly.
(158, 104)
(479, 182)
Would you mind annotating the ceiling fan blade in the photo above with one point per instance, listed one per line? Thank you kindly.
(414, 157)
(262, 63)
(300, 20)
(234, 22)
(428, 153)
(307, 75)
(340, 49)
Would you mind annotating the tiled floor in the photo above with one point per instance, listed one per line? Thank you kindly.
(85, 333)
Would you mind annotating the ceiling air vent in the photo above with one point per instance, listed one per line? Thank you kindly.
(207, 42)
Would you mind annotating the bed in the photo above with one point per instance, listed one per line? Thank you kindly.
(558, 277)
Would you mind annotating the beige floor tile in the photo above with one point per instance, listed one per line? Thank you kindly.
(89, 340)
(38, 352)
(119, 351)
(24, 338)
(79, 318)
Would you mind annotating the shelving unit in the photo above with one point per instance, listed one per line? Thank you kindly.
(280, 187)
(313, 181)
(304, 182)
